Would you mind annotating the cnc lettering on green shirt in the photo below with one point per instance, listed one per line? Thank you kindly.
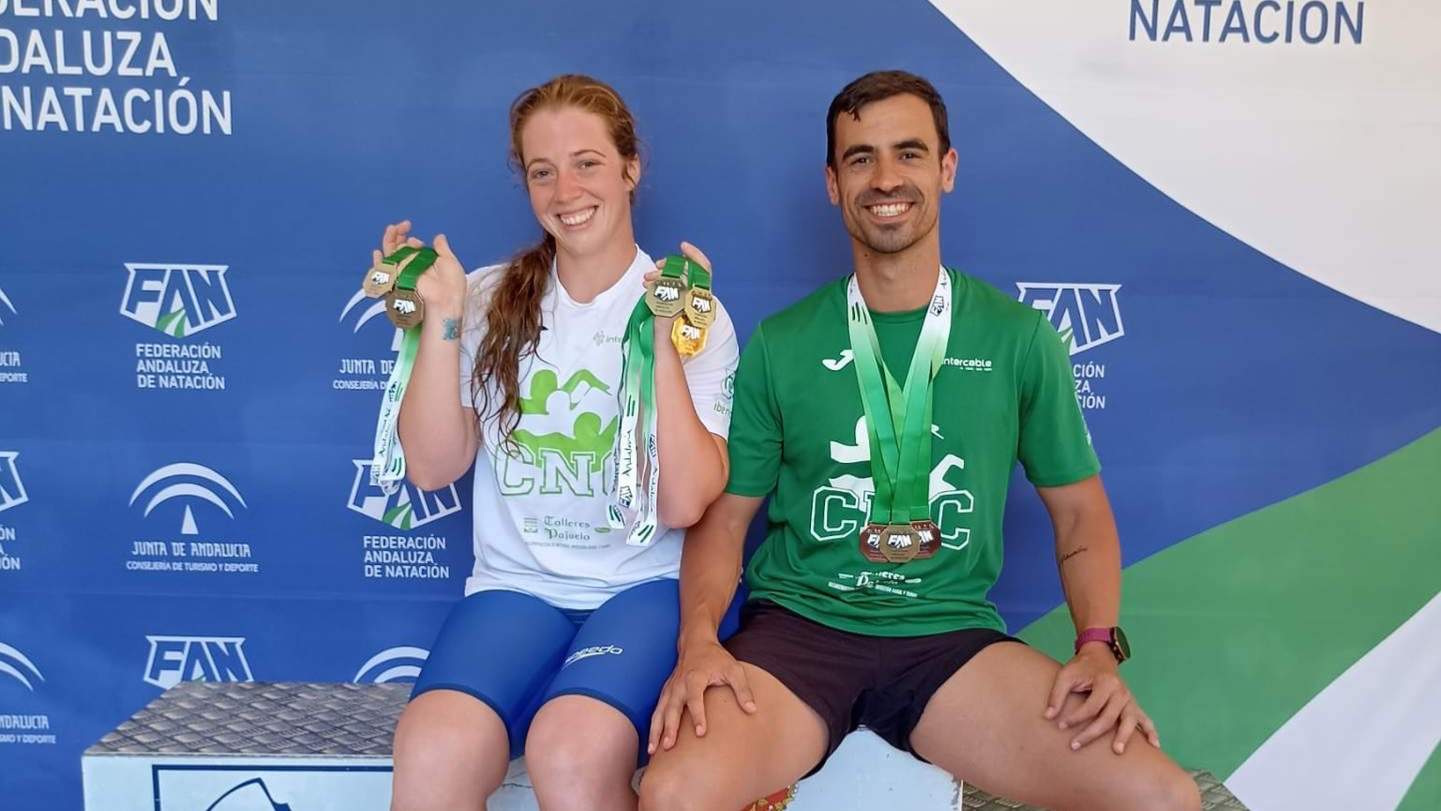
(1003, 394)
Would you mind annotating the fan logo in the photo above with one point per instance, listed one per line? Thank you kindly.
(189, 485)
(177, 299)
(399, 665)
(1086, 315)
(365, 373)
(402, 557)
(174, 659)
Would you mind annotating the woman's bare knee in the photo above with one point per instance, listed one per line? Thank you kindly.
(450, 753)
(581, 753)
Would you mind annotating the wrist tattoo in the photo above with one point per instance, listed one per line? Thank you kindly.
(1073, 553)
(452, 329)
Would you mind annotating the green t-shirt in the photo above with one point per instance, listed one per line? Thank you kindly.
(1004, 393)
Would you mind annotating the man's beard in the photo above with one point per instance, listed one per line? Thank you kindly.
(885, 239)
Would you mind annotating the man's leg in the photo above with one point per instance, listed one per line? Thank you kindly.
(985, 726)
(742, 756)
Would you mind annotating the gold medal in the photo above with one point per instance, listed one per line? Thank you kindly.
(899, 543)
(666, 297)
(405, 308)
(700, 307)
(379, 280)
(687, 337)
(871, 542)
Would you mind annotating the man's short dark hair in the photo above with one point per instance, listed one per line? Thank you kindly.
(880, 85)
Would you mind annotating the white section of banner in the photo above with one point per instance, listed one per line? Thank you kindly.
(1324, 156)
(1361, 741)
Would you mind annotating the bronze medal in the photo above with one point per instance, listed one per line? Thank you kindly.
(379, 280)
(871, 542)
(929, 536)
(700, 306)
(405, 308)
(899, 543)
(688, 338)
(666, 297)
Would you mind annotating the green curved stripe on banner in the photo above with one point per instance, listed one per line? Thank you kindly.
(1425, 793)
(1236, 628)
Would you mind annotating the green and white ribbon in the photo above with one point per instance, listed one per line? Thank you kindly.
(637, 394)
(898, 418)
(387, 462)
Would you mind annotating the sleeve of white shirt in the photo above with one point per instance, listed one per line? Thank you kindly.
(711, 375)
(478, 285)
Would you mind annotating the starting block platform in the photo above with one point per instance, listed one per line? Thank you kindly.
(206, 746)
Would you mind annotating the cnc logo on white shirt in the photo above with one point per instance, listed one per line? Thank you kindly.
(193, 484)
(17, 666)
(1245, 22)
(12, 490)
(177, 299)
(1086, 315)
(393, 665)
(565, 442)
(366, 372)
(174, 659)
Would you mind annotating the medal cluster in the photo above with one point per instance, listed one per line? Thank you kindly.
(683, 292)
(394, 280)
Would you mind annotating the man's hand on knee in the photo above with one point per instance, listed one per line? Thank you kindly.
(1108, 706)
(701, 665)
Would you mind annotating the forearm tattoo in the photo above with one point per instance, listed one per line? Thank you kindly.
(1073, 553)
(452, 329)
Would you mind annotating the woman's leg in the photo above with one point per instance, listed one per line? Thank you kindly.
(581, 755)
(451, 753)
(481, 685)
(584, 745)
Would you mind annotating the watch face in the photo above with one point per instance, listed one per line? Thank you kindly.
(1120, 644)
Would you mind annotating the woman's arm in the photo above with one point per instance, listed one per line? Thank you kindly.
(436, 430)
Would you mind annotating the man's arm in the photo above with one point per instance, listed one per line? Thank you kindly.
(1088, 554)
(709, 571)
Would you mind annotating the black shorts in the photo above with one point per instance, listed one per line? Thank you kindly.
(852, 680)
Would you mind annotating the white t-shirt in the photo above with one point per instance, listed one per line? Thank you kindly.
(540, 517)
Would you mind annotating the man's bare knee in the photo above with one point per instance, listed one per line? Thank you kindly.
(667, 789)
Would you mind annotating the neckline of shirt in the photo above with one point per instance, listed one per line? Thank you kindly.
(636, 269)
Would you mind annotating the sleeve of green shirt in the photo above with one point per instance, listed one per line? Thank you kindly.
(1055, 445)
(755, 434)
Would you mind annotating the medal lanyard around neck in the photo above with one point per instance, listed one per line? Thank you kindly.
(387, 463)
(898, 419)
